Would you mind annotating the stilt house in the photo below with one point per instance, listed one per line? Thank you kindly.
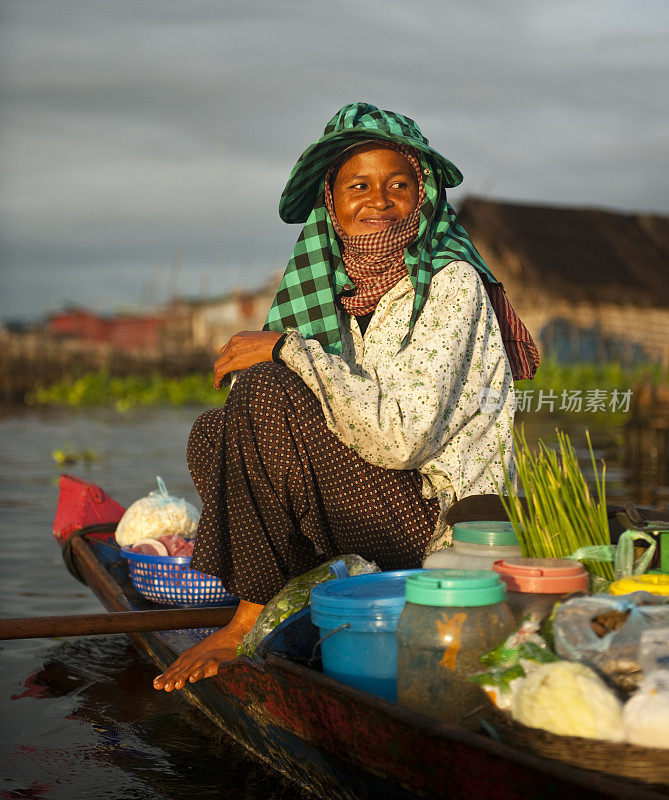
(591, 285)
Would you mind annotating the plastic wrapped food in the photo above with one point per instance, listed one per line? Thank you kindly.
(654, 650)
(170, 545)
(605, 631)
(295, 596)
(570, 700)
(511, 661)
(646, 714)
(150, 547)
(177, 545)
(159, 514)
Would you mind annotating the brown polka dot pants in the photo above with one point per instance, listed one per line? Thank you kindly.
(281, 494)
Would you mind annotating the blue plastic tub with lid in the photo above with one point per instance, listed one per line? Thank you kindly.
(357, 618)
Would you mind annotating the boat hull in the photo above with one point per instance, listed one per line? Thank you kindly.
(341, 743)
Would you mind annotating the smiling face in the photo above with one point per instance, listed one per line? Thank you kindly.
(374, 188)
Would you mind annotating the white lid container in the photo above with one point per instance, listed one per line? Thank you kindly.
(476, 545)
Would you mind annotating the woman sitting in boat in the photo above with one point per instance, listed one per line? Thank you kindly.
(379, 391)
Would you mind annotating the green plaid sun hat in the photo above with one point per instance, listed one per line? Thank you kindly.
(315, 275)
(354, 122)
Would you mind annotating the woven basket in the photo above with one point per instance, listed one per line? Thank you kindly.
(650, 765)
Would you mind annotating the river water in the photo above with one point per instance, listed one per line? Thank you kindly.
(78, 717)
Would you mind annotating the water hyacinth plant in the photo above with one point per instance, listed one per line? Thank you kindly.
(101, 388)
(562, 515)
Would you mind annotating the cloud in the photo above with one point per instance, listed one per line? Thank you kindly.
(133, 131)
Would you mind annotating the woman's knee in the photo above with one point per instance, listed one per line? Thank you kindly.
(203, 435)
(263, 387)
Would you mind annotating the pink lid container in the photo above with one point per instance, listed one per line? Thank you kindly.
(542, 575)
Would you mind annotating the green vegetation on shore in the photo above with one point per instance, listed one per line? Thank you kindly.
(101, 389)
(584, 389)
(545, 394)
(590, 376)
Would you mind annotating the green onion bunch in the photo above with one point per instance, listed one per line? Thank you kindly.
(561, 515)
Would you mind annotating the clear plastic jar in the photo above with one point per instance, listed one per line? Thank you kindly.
(476, 545)
(451, 617)
(535, 585)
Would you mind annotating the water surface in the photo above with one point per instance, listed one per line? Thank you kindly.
(79, 718)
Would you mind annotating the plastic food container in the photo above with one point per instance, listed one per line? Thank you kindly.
(476, 545)
(534, 585)
(653, 582)
(450, 619)
(357, 618)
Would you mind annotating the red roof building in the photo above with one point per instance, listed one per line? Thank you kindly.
(126, 332)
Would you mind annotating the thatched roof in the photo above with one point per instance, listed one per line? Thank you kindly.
(576, 253)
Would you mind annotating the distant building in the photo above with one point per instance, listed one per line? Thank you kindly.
(122, 332)
(181, 325)
(214, 321)
(590, 285)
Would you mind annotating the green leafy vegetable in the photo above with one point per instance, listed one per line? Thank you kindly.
(562, 515)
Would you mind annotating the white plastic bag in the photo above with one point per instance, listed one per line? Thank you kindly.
(155, 516)
(645, 716)
(568, 699)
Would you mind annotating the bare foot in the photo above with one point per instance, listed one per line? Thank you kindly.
(203, 659)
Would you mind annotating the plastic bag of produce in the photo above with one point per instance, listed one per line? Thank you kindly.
(646, 714)
(510, 662)
(605, 631)
(622, 556)
(156, 515)
(570, 700)
(169, 545)
(295, 596)
(654, 650)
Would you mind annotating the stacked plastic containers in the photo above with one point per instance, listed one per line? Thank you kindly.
(534, 585)
(357, 618)
(476, 545)
(450, 619)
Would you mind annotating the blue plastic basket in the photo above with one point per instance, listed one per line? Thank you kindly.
(169, 580)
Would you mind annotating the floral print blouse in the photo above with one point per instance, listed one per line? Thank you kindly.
(444, 405)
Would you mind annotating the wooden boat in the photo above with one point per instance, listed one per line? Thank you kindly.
(334, 740)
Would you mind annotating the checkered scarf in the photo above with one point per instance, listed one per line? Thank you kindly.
(316, 273)
(375, 261)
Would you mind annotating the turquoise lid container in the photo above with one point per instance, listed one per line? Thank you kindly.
(366, 603)
(462, 588)
(487, 533)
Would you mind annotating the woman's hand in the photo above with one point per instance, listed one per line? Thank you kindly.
(244, 350)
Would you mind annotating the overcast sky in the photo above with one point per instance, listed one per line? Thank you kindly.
(145, 143)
